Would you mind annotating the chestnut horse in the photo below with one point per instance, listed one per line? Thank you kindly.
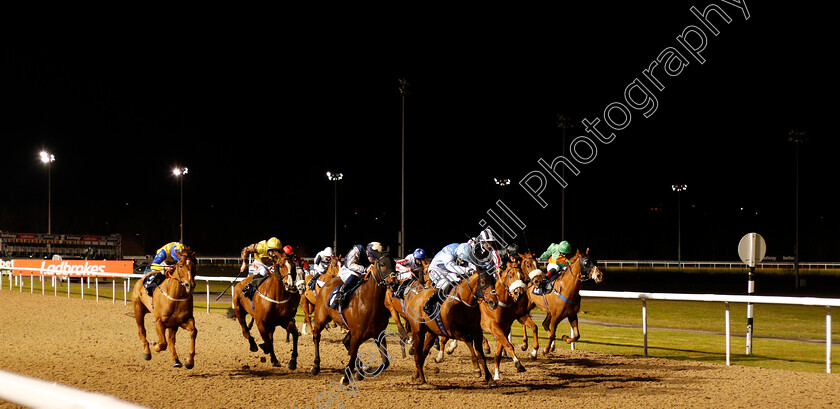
(564, 299)
(309, 297)
(528, 264)
(514, 305)
(460, 317)
(365, 316)
(397, 306)
(171, 306)
(274, 305)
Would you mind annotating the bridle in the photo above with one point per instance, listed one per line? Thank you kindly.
(170, 273)
(585, 263)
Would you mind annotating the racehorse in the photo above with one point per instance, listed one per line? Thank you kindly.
(514, 304)
(458, 318)
(274, 305)
(397, 306)
(365, 316)
(528, 264)
(310, 296)
(564, 299)
(171, 305)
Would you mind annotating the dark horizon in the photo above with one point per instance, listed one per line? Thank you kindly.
(260, 115)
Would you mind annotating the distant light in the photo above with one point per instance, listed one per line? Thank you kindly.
(47, 157)
(335, 176)
(502, 182)
(180, 171)
(679, 188)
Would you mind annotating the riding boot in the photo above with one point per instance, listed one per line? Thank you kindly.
(314, 281)
(436, 299)
(339, 297)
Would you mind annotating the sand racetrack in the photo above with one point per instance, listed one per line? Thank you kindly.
(94, 346)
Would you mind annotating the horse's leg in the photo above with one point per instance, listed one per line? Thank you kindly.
(551, 336)
(321, 319)
(451, 347)
(421, 352)
(293, 329)
(177, 362)
(267, 334)
(441, 341)
(485, 346)
(190, 326)
(502, 343)
(140, 312)
(161, 333)
(477, 346)
(522, 320)
(353, 350)
(240, 313)
(307, 310)
(573, 321)
(472, 346)
(527, 321)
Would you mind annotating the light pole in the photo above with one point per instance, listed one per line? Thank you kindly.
(563, 122)
(179, 173)
(679, 189)
(335, 177)
(403, 92)
(48, 159)
(502, 182)
(796, 137)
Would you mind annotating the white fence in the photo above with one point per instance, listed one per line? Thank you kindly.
(726, 299)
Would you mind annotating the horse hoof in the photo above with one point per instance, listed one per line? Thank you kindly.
(523, 347)
(425, 386)
(275, 364)
(520, 367)
(147, 357)
(177, 364)
(292, 365)
(359, 376)
(264, 348)
(492, 383)
(314, 370)
(486, 351)
(411, 351)
(477, 373)
(189, 365)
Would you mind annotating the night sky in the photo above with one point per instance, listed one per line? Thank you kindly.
(259, 104)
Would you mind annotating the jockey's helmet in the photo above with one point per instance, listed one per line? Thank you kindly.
(419, 254)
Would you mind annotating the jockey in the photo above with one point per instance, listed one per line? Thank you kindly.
(320, 264)
(166, 256)
(511, 254)
(449, 266)
(486, 249)
(295, 261)
(557, 255)
(410, 269)
(264, 253)
(352, 270)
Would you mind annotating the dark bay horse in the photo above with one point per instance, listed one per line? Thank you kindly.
(310, 296)
(460, 317)
(171, 306)
(275, 305)
(365, 316)
(564, 299)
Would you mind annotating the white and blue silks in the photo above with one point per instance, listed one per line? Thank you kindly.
(444, 270)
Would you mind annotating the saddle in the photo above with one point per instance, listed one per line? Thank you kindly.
(400, 292)
(252, 286)
(546, 286)
(347, 292)
(152, 281)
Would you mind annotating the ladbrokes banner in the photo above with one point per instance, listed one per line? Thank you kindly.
(74, 268)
